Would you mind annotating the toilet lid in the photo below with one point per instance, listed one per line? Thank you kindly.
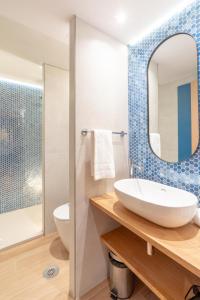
(62, 212)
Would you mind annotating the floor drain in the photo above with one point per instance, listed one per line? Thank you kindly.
(51, 272)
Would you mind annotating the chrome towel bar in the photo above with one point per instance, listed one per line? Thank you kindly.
(122, 133)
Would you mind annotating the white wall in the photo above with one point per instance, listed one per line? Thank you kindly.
(13, 67)
(168, 121)
(32, 45)
(56, 106)
(153, 97)
(168, 117)
(101, 101)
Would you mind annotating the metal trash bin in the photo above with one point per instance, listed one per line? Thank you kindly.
(122, 280)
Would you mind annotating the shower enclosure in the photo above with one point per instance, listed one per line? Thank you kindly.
(20, 161)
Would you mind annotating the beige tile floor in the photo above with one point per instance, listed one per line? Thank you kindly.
(21, 276)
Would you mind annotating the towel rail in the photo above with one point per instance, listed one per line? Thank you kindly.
(122, 133)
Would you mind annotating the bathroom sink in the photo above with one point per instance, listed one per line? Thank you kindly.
(164, 205)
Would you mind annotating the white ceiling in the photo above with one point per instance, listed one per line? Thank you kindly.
(51, 17)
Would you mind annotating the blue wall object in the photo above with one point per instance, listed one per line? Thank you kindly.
(184, 122)
(20, 145)
(186, 174)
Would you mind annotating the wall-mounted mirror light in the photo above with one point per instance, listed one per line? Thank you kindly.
(173, 99)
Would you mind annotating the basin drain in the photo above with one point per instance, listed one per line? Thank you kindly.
(51, 272)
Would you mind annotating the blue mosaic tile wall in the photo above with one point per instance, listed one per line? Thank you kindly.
(186, 174)
(20, 146)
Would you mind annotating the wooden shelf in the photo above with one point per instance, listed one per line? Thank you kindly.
(180, 244)
(167, 279)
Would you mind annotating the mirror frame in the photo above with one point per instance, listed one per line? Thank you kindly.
(147, 76)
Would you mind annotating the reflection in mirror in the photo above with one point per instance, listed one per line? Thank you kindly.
(173, 99)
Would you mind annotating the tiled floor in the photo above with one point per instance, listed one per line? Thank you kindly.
(19, 225)
(101, 292)
(21, 276)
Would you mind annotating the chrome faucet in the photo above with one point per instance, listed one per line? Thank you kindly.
(132, 168)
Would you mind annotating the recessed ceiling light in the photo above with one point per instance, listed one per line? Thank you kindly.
(121, 17)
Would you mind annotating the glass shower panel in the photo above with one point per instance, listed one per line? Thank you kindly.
(20, 150)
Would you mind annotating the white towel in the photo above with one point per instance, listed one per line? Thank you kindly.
(196, 219)
(102, 161)
(155, 143)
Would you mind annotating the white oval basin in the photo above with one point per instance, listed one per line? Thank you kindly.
(159, 203)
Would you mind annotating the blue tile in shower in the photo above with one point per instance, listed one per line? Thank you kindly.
(20, 145)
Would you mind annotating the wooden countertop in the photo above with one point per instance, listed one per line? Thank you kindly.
(181, 244)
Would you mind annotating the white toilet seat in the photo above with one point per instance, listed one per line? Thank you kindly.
(62, 212)
(62, 220)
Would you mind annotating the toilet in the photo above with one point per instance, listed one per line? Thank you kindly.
(62, 220)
